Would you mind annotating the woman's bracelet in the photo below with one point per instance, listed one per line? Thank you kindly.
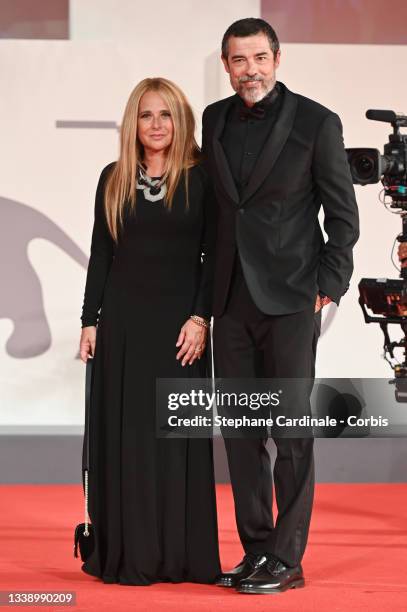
(200, 320)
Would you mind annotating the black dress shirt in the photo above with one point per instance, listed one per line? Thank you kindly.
(245, 132)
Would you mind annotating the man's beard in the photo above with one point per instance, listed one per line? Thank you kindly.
(252, 95)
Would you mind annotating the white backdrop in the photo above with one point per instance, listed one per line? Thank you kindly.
(49, 175)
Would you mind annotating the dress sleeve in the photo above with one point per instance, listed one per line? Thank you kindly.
(204, 296)
(101, 256)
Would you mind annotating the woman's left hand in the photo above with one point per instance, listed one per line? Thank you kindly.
(192, 339)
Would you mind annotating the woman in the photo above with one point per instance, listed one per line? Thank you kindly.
(151, 500)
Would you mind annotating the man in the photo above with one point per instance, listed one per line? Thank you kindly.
(274, 157)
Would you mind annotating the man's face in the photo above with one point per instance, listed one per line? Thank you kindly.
(251, 66)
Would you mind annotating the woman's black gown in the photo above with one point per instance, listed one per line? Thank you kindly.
(151, 500)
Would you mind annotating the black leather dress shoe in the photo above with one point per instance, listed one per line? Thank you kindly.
(272, 577)
(246, 567)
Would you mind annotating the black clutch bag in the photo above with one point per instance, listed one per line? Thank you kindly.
(84, 537)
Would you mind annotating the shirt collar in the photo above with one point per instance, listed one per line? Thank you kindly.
(266, 102)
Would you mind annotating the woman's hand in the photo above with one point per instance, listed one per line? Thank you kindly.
(192, 337)
(87, 343)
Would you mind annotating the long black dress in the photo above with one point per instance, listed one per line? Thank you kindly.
(151, 500)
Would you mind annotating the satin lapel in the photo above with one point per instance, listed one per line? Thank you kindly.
(273, 145)
(222, 164)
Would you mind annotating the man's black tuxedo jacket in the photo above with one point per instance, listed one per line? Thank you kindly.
(274, 224)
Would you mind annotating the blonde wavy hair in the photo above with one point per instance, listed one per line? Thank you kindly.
(183, 153)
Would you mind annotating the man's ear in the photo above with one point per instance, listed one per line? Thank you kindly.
(277, 60)
(225, 63)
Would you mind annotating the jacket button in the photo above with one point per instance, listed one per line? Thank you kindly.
(241, 210)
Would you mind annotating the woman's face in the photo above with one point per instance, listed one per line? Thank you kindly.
(154, 124)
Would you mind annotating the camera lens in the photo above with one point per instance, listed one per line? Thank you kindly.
(363, 166)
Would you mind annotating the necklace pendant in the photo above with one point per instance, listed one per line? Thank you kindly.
(153, 189)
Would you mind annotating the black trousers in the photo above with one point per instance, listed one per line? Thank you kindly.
(249, 343)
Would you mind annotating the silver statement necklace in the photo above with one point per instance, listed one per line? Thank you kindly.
(154, 189)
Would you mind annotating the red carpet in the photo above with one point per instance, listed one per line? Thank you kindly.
(356, 557)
